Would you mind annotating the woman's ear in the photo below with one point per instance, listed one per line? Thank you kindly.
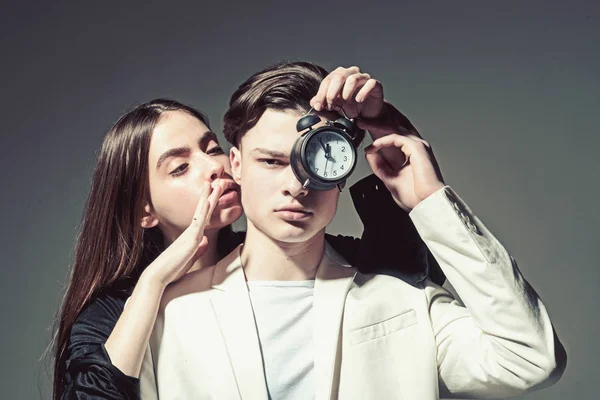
(235, 159)
(149, 220)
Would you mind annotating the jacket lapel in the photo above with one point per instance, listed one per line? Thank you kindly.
(334, 278)
(233, 310)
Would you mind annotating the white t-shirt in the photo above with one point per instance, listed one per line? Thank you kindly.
(283, 315)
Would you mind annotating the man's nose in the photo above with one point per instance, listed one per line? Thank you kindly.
(293, 187)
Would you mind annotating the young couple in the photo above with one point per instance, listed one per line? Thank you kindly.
(287, 314)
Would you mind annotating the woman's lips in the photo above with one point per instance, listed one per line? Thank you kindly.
(229, 197)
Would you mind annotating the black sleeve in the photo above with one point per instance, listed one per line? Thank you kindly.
(228, 240)
(89, 372)
(389, 241)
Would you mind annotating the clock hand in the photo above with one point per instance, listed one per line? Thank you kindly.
(323, 146)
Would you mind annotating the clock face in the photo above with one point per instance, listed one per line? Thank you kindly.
(329, 155)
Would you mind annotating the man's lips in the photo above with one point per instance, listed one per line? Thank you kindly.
(293, 213)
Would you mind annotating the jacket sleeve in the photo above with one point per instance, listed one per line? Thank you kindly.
(501, 341)
(89, 371)
(388, 231)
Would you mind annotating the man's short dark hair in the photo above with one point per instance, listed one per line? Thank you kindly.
(282, 87)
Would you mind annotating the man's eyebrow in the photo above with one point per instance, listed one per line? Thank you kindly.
(272, 153)
(175, 152)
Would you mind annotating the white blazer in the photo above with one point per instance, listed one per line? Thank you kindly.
(376, 336)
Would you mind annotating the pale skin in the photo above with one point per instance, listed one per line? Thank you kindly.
(398, 156)
(189, 206)
(282, 246)
(191, 228)
(286, 221)
(127, 342)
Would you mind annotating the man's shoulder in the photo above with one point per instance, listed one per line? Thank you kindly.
(197, 285)
(392, 284)
(192, 285)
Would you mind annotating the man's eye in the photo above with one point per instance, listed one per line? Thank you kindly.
(271, 162)
(215, 150)
(180, 170)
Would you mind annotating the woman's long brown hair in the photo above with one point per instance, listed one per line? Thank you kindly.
(111, 243)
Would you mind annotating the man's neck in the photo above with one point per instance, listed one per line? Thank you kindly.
(265, 259)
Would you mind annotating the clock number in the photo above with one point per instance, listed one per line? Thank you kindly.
(334, 172)
(343, 148)
(341, 167)
(316, 169)
(325, 174)
(345, 158)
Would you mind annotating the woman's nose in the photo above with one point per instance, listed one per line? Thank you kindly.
(214, 170)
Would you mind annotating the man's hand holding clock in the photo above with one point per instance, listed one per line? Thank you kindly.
(398, 155)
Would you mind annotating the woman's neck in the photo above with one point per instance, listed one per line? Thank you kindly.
(266, 259)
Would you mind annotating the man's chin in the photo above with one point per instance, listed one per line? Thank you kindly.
(296, 233)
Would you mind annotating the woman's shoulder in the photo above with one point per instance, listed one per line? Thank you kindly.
(97, 320)
(87, 363)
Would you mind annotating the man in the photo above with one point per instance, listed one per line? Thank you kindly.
(285, 317)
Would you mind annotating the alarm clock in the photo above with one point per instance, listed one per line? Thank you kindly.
(324, 157)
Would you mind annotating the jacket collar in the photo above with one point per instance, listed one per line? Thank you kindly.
(334, 279)
(233, 309)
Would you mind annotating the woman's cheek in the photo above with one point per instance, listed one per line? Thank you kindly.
(183, 206)
(223, 217)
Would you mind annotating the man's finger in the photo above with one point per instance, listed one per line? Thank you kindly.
(394, 140)
(391, 150)
(371, 88)
(353, 83)
(379, 165)
(318, 102)
(334, 90)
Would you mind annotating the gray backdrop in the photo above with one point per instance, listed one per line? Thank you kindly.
(507, 93)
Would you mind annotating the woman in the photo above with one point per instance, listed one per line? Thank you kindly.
(159, 168)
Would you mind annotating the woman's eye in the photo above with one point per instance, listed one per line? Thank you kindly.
(215, 150)
(179, 170)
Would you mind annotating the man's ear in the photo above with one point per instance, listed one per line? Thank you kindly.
(235, 159)
(149, 220)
